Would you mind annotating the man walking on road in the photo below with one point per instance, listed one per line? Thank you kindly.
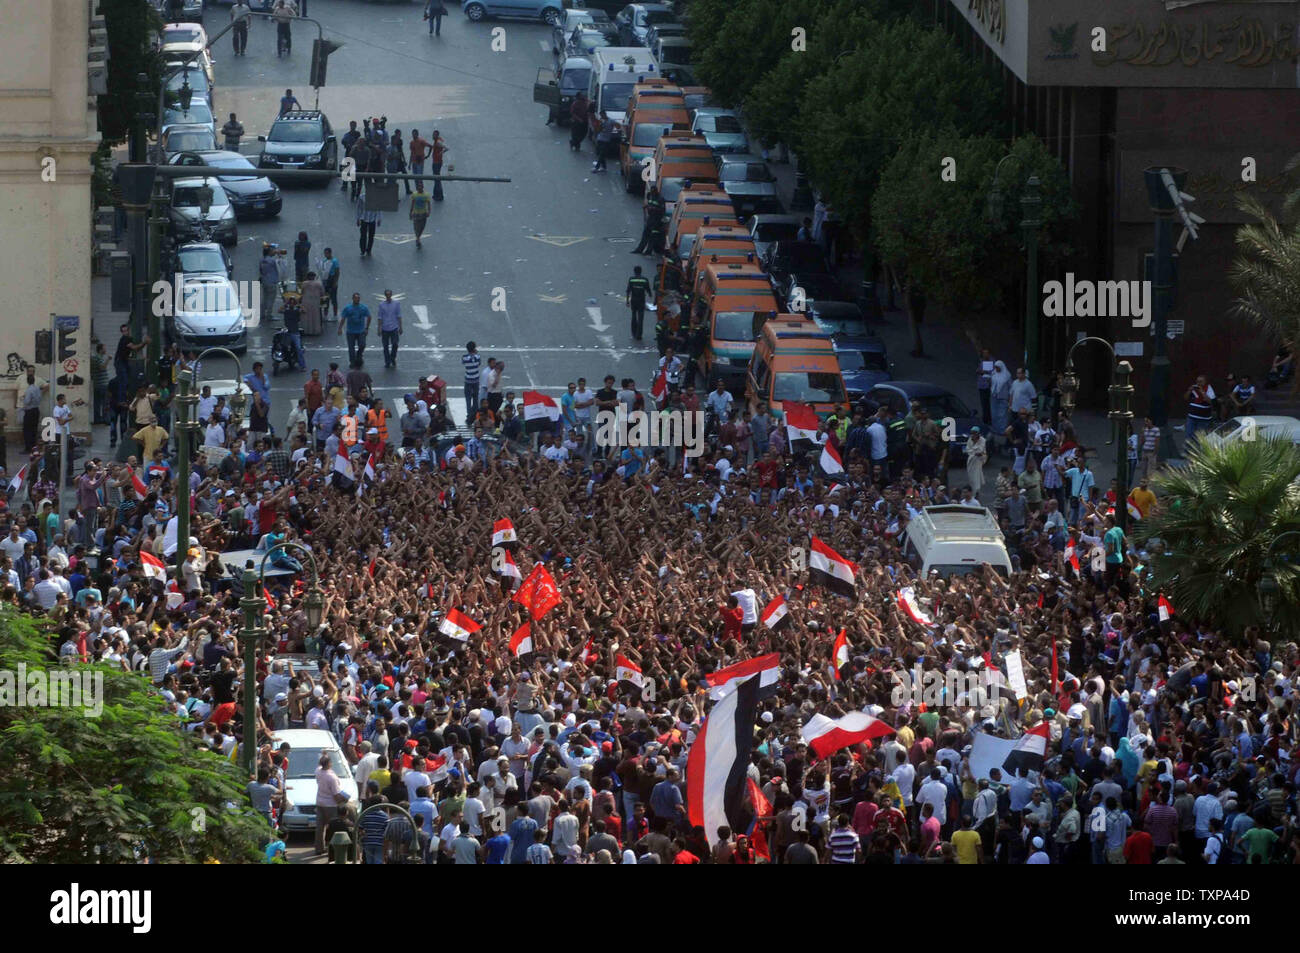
(473, 363)
(328, 269)
(635, 297)
(437, 150)
(419, 148)
(390, 326)
(269, 274)
(434, 12)
(285, 10)
(240, 14)
(356, 317)
(367, 222)
(231, 131)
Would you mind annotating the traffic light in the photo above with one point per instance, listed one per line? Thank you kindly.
(44, 348)
(67, 345)
(320, 51)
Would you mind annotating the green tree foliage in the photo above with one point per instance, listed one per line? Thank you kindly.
(1266, 273)
(1217, 517)
(903, 81)
(751, 41)
(130, 25)
(116, 788)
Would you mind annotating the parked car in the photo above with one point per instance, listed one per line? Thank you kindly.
(1265, 428)
(548, 11)
(721, 130)
(191, 10)
(561, 32)
(200, 90)
(186, 214)
(663, 30)
(583, 42)
(749, 182)
(863, 362)
(250, 195)
(766, 229)
(300, 139)
(784, 259)
(837, 317)
(193, 259)
(635, 20)
(175, 139)
(940, 402)
(183, 61)
(199, 114)
(556, 92)
(210, 314)
(306, 745)
(671, 50)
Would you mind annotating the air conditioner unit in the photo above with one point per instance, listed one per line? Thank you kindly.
(97, 79)
(97, 54)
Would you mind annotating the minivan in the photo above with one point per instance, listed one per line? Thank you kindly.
(795, 361)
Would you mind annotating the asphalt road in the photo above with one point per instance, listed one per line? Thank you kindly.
(556, 238)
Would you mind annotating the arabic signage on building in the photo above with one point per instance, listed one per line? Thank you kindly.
(1004, 26)
(1214, 178)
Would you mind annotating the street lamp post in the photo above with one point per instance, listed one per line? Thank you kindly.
(250, 636)
(187, 427)
(1031, 205)
(1121, 415)
(1270, 592)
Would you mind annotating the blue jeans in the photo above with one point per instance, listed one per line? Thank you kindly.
(471, 401)
(356, 346)
(373, 853)
(630, 801)
(1192, 425)
(389, 339)
(296, 338)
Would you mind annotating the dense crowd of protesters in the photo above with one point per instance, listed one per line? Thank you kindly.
(1169, 742)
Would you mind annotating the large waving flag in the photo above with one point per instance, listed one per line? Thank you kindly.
(503, 535)
(541, 413)
(458, 626)
(776, 616)
(761, 807)
(911, 608)
(840, 653)
(20, 477)
(659, 389)
(509, 572)
(539, 594)
(1072, 557)
(801, 426)
(140, 487)
(827, 735)
(153, 566)
(1030, 750)
(367, 475)
(832, 570)
(717, 765)
(1164, 610)
(625, 670)
(766, 667)
(343, 477)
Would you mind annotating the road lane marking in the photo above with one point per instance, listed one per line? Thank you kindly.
(559, 241)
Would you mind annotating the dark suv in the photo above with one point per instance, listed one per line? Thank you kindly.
(300, 139)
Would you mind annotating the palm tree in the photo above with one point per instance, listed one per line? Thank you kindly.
(1266, 273)
(1217, 517)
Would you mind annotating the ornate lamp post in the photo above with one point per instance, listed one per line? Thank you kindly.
(1121, 415)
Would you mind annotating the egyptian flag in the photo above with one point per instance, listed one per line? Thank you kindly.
(801, 425)
(141, 489)
(832, 570)
(541, 413)
(153, 566)
(539, 593)
(827, 735)
(762, 807)
(908, 604)
(1072, 557)
(776, 616)
(1030, 750)
(1163, 609)
(840, 653)
(503, 535)
(589, 654)
(367, 475)
(20, 477)
(830, 461)
(766, 667)
(343, 478)
(521, 643)
(716, 769)
(659, 390)
(625, 670)
(511, 578)
(458, 626)
(270, 600)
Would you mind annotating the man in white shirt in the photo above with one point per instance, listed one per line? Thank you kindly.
(905, 777)
(416, 778)
(935, 793)
(47, 591)
(748, 600)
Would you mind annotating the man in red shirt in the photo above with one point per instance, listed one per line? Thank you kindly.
(732, 616)
(1138, 848)
(768, 469)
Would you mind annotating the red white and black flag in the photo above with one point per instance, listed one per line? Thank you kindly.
(541, 413)
(141, 490)
(827, 735)
(716, 768)
(766, 667)
(801, 426)
(511, 578)
(20, 477)
(1030, 750)
(832, 570)
(503, 535)
(343, 476)
(907, 602)
(840, 653)
(830, 462)
(521, 643)
(776, 616)
(458, 626)
(1164, 610)
(628, 672)
(367, 475)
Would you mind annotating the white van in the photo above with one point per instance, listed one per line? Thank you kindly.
(306, 745)
(955, 540)
(615, 70)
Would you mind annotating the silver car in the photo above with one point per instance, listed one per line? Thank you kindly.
(207, 312)
(188, 221)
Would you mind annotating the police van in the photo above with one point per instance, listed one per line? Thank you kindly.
(615, 71)
(955, 540)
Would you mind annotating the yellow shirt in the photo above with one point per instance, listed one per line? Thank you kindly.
(381, 776)
(906, 736)
(966, 844)
(151, 438)
(1143, 500)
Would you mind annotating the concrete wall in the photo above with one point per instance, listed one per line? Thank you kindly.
(45, 209)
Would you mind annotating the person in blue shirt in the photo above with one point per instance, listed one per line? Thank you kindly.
(498, 849)
(521, 835)
(423, 810)
(258, 382)
(356, 317)
(1118, 714)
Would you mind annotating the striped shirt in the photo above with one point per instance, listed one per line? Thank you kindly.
(161, 659)
(844, 845)
(471, 363)
(538, 854)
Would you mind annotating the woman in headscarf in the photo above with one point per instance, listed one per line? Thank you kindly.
(977, 454)
(313, 293)
(999, 400)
